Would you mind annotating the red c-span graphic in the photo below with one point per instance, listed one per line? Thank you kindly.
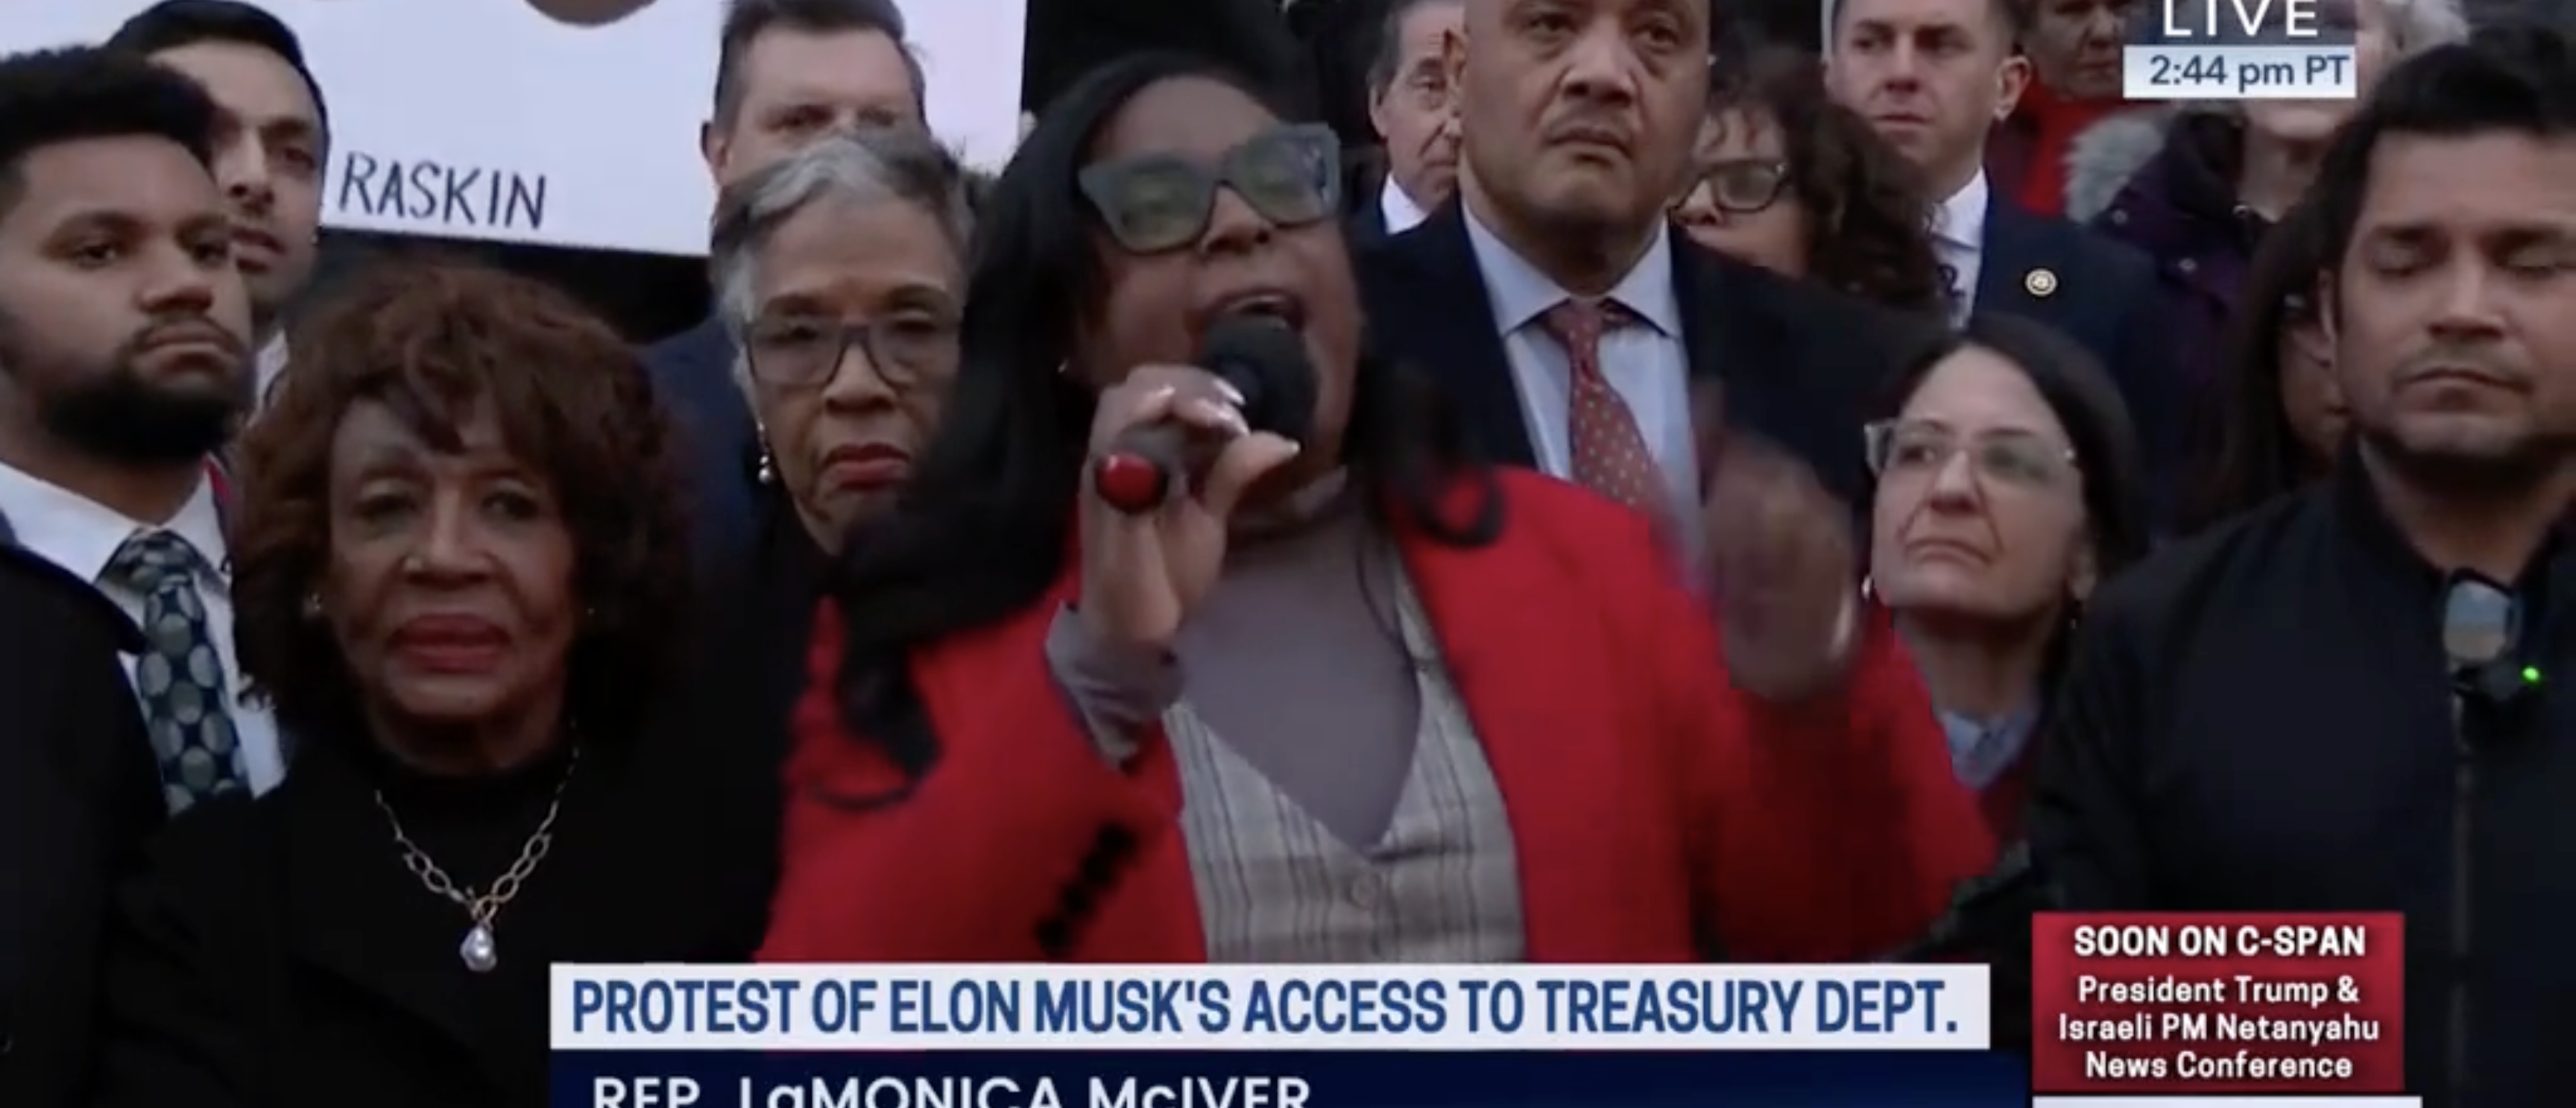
(2218, 1003)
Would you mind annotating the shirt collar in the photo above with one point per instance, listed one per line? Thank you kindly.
(271, 363)
(1397, 209)
(82, 535)
(1981, 751)
(1520, 293)
(1961, 220)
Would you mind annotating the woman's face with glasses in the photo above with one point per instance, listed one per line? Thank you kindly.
(850, 353)
(1739, 201)
(1208, 206)
(2310, 398)
(1979, 514)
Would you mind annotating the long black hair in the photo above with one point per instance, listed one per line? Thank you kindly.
(983, 529)
(2249, 452)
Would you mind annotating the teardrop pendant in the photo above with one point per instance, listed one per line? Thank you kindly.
(478, 951)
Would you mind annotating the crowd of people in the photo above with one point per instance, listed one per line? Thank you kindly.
(1738, 502)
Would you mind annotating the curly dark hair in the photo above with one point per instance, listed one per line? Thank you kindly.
(1869, 216)
(437, 341)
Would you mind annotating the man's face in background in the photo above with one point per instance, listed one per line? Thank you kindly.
(1930, 76)
(270, 152)
(1411, 110)
(792, 86)
(1581, 115)
(124, 327)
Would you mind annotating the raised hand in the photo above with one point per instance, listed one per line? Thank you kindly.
(1783, 564)
(1142, 574)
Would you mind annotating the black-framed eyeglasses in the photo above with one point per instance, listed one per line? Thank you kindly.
(1152, 203)
(1741, 186)
(907, 351)
(2019, 459)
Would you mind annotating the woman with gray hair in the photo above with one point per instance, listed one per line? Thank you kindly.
(839, 272)
(2196, 186)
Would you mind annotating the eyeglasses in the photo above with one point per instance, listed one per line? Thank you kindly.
(1152, 203)
(2011, 458)
(803, 351)
(1741, 186)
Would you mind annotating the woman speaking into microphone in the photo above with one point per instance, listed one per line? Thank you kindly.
(1340, 698)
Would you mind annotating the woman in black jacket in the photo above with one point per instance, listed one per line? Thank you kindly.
(461, 573)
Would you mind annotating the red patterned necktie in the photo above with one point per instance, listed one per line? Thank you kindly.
(1609, 453)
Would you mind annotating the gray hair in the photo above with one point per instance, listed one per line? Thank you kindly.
(893, 165)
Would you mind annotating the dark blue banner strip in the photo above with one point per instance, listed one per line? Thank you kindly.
(620, 1079)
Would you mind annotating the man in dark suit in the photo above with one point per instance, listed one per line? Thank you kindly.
(1932, 77)
(124, 362)
(1557, 306)
(787, 72)
(1408, 88)
(77, 798)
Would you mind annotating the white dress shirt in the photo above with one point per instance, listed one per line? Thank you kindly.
(1648, 366)
(271, 363)
(82, 536)
(1959, 238)
(1397, 209)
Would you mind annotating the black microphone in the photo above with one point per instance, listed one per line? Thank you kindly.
(1261, 357)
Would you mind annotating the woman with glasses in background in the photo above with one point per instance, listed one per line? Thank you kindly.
(2276, 420)
(2006, 487)
(840, 272)
(1792, 182)
(1339, 699)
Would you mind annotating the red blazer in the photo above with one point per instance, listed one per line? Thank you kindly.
(1658, 814)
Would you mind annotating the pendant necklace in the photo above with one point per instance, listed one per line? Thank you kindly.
(479, 951)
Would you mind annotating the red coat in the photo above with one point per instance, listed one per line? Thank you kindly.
(1657, 813)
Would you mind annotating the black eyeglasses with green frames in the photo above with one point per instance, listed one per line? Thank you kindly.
(2016, 459)
(1154, 203)
(799, 350)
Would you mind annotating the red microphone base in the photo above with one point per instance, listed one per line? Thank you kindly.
(1129, 483)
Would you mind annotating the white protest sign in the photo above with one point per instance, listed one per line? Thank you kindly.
(490, 119)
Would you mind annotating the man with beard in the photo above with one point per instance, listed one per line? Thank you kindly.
(122, 363)
(2348, 701)
(272, 142)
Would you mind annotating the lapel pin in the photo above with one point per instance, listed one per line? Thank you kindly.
(2040, 283)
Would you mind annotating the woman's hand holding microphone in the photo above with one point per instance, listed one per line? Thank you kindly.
(1142, 573)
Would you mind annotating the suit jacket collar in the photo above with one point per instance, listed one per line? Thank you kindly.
(1520, 293)
(1723, 309)
(83, 536)
(38, 570)
(2016, 251)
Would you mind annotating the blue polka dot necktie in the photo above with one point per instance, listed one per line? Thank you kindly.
(1608, 452)
(180, 677)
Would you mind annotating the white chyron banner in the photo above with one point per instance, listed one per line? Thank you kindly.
(557, 122)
